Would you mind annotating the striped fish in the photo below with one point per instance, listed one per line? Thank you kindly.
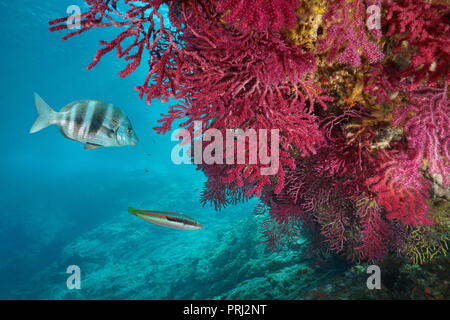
(167, 219)
(91, 122)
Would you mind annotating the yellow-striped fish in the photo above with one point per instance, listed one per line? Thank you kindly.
(92, 122)
(167, 219)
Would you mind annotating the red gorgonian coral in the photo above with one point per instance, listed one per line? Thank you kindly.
(426, 123)
(246, 82)
(377, 232)
(265, 15)
(402, 190)
(401, 187)
(224, 78)
(346, 38)
(224, 68)
(422, 27)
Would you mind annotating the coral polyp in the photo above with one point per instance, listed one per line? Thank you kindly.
(362, 109)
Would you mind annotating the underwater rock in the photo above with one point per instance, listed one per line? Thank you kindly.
(125, 258)
(400, 281)
(225, 263)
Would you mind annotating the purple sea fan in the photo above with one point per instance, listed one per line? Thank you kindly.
(376, 230)
(337, 221)
(426, 123)
(401, 188)
(345, 34)
(141, 28)
(378, 84)
(259, 15)
(424, 27)
(251, 81)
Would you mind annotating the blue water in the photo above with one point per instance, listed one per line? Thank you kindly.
(62, 205)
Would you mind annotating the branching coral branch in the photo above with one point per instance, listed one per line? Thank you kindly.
(216, 192)
(402, 190)
(348, 173)
(250, 82)
(378, 85)
(336, 219)
(346, 37)
(144, 30)
(226, 79)
(265, 15)
(423, 27)
(376, 232)
(426, 122)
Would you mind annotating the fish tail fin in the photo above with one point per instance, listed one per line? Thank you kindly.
(45, 114)
(133, 211)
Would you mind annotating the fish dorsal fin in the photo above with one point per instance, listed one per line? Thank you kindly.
(90, 146)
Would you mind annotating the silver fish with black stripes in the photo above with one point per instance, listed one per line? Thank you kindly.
(94, 123)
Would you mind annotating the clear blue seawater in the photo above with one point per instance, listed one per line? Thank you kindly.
(53, 191)
(62, 205)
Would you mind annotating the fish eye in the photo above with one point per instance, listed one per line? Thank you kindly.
(129, 131)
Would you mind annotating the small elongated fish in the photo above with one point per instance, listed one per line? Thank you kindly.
(91, 122)
(167, 219)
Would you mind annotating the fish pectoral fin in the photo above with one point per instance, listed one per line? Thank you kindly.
(90, 146)
(108, 131)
